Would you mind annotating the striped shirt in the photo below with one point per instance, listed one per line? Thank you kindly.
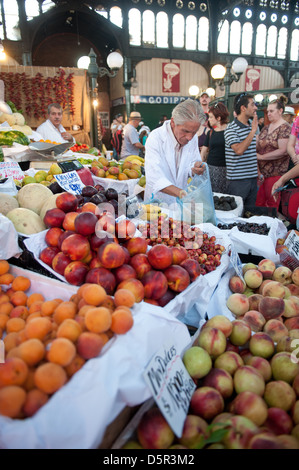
(239, 166)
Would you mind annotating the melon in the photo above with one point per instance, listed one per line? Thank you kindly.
(33, 196)
(26, 221)
(49, 204)
(7, 203)
(19, 119)
(9, 118)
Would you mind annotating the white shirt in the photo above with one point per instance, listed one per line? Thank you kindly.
(49, 132)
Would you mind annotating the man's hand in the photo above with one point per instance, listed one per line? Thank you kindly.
(67, 136)
(198, 168)
(255, 123)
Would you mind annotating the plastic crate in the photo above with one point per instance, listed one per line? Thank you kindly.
(288, 260)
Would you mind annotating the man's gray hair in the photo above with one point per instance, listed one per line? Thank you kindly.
(54, 105)
(188, 110)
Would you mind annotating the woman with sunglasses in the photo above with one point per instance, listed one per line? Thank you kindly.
(213, 150)
(272, 155)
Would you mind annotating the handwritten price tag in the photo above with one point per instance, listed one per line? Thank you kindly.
(292, 242)
(171, 386)
(11, 169)
(70, 182)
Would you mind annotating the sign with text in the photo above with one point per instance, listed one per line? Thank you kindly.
(11, 169)
(70, 182)
(171, 386)
(292, 242)
(252, 79)
(170, 77)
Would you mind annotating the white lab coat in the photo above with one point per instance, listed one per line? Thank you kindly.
(160, 166)
(49, 132)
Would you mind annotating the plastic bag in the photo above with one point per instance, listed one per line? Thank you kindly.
(198, 205)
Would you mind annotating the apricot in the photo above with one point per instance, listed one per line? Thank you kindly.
(3, 320)
(6, 279)
(122, 321)
(32, 351)
(82, 311)
(124, 297)
(64, 310)
(15, 325)
(94, 294)
(109, 303)
(48, 307)
(21, 283)
(35, 399)
(33, 315)
(38, 327)
(34, 297)
(4, 267)
(98, 319)
(12, 399)
(13, 371)
(61, 351)
(10, 341)
(69, 329)
(50, 377)
(21, 336)
(4, 298)
(20, 311)
(6, 308)
(75, 365)
(29, 382)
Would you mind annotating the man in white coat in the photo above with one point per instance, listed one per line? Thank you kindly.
(172, 154)
(52, 128)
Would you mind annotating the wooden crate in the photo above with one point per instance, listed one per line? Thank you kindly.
(117, 426)
(41, 165)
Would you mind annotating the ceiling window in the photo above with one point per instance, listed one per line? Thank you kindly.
(12, 20)
(32, 9)
(260, 45)
(162, 29)
(271, 41)
(116, 16)
(295, 46)
(282, 43)
(247, 33)
(222, 43)
(191, 32)
(148, 27)
(235, 37)
(102, 11)
(47, 5)
(178, 31)
(203, 34)
(135, 27)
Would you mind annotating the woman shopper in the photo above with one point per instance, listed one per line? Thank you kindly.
(272, 155)
(293, 144)
(213, 150)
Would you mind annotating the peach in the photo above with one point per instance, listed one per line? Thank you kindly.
(38, 328)
(160, 256)
(267, 268)
(259, 291)
(248, 266)
(271, 307)
(254, 301)
(153, 431)
(278, 421)
(240, 432)
(52, 236)
(76, 246)
(166, 298)
(206, 402)
(195, 428)
(222, 323)
(126, 271)
(60, 262)
(35, 399)
(236, 285)
(264, 440)
(253, 278)
(255, 320)
(247, 378)
(103, 277)
(283, 367)
(295, 432)
(288, 442)
(67, 202)
(262, 365)
(125, 230)
(75, 273)
(292, 323)
(54, 218)
(32, 351)
(273, 289)
(261, 344)
(49, 377)
(275, 329)
(68, 223)
(291, 307)
(250, 405)
(136, 245)
(61, 351)
(135, 286)
(140, 264)
(85, 223)
(155, 284)
(197, 362)
(12, 399)
(13, 371)
(74, 365)
(241, 333)
(294, 288)
(285, 344)
(279, 394)
(283, 275)
(295, 413)
(179, 254)
(221, 380)
(111, 255)
(229, 361)
(212, 340)
(177, 277)
(295, 276)
(89, 344)
(238, 304)
(296, 384)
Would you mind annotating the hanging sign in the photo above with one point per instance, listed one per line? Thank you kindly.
(170, 77)
(171, 386)
(70, 182)
(252, 79)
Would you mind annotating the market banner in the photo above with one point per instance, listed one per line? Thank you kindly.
(252, 79)
(170, 77)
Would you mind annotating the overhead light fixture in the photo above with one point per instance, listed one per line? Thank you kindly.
(259, 98)
(211, 91)
(225, 76)
(193, 90)
(272, 98)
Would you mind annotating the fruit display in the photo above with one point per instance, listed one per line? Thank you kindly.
(224, 203)
(115, 170)
(48, 341)
(246, 227)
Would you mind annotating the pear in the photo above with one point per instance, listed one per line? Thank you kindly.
(28, 180)
(40, 176)
(55, 169)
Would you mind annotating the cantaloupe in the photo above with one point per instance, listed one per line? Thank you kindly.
(33, 196)
(7, 203)
(10, 118)
(49, 204)
(19, 119)
(26, 221)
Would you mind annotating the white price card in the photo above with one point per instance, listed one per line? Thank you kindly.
(236, 262)
(171, 386)
(292, 242)
(11, 169)
(70, 182)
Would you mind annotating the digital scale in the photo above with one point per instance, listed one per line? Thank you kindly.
(70, 165)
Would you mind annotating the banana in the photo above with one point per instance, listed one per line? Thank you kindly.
(134, 157)
(151, 208)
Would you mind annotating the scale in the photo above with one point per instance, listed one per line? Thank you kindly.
(48, 151)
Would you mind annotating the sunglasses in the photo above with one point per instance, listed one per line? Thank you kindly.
(241, 96)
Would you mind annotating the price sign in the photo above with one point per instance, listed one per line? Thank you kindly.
(171, 386)
(70, 182)
(236, 262)
(11, 169)
(292, 242)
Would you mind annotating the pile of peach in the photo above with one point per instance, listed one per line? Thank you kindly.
(47, 341)
(268, 300)
(246, 396)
